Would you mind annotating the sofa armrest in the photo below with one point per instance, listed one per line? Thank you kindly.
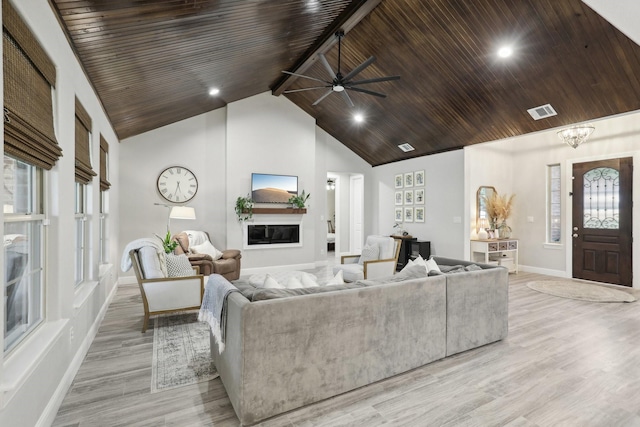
(231, 253)
(199, 257)
(349, 259)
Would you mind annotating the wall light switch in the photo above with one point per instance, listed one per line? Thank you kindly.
(457, 220)
(529, 219)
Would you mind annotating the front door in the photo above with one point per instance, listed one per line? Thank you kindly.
(602, 221)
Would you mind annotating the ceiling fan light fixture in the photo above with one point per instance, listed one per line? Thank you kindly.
(338, 88)
(358, 117)
(575, 135)
(214, 91)
(505, 51)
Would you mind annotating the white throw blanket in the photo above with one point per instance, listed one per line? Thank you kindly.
(196, 237)
(214, 306)
(125, 262)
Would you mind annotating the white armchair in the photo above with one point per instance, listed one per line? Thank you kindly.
(167, 294)
(358, 267)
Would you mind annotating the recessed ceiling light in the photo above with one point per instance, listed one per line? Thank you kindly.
(214, 91)
(359, 118)
(505, 51)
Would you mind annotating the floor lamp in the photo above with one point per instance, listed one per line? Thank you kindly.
(178, 212)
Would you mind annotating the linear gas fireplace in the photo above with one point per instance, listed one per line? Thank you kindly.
(258, 235)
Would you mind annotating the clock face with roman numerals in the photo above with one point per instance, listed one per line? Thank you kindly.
(177, 184)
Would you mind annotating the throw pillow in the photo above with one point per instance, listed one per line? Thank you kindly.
(208, 249)
(308, 281)
(369, 253)
(431, 265)
(179, 266)
(271, 283)
(294, 283)
(336, 280)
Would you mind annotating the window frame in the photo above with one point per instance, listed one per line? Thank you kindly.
(81, 234)
(37, 215)
(554, 204)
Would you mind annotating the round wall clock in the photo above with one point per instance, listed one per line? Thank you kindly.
(177, 184)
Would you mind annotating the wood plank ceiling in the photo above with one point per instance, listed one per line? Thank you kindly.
(152, 63)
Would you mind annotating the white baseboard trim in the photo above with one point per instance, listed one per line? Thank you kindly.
(127, 280)
(51, 410)
(275, 269)
(545, 271)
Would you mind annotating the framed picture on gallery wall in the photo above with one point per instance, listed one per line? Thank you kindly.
(408, 179)
(398, 215)
(418, 179)
(418, 214)
(399, 197)
(418, 196)
(408, 197)
(408, 214)
(398, 180)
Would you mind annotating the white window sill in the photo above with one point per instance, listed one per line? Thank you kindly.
(24, 360)
(83, 291)
(553, 246)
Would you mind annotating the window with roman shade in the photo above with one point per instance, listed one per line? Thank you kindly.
(29, 76)
(84, 171)
(104, 164)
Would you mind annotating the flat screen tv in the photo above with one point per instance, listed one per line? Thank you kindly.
(267, 188)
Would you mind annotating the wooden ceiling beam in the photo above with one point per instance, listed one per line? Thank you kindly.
(348, 19)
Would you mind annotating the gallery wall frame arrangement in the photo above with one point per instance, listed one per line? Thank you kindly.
(409, 196)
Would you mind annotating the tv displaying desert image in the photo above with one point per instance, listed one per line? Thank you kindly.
(273, 188)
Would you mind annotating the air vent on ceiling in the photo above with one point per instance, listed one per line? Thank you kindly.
(542, 112)
(406, 147)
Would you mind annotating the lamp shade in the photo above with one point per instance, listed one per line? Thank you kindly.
(182, 212)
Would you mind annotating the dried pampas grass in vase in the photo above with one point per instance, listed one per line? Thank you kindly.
(499, 209)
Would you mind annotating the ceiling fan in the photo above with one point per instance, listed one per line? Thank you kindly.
(340, 83)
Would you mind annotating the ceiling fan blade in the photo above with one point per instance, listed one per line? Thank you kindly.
(347, 98)
(306, 77)
(306, 88)
(359, 68)
(329, 92)
(375, 80)
(324, 61)
(368, 92)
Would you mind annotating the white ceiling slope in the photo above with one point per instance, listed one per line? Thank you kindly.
(622, 14)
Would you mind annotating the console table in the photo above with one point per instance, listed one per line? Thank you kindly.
(497, 252)
(405, 250)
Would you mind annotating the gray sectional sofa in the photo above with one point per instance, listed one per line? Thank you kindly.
(286, 353)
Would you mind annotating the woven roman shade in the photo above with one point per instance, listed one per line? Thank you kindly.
(104, 164)
(84, 171)
(29, 76)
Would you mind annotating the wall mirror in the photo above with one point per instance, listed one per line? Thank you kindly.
(484, 193)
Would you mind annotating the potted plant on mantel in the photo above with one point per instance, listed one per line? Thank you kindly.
(244, 208)
(298, 202)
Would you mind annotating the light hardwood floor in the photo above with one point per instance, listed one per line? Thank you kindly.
(564, 363)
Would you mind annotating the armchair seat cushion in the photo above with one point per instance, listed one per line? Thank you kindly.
(350, 272)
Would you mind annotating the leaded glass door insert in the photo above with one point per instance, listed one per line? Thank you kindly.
(601, 196)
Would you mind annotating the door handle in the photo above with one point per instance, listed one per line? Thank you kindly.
(575, 228)
(575, 234)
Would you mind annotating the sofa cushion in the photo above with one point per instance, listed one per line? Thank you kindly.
(308, 280)
(206, 248)
(150, 263)
(179, 266)
(350, 272)
(413, 271)
(183, 243)
(338, 279)
(261, 294)
(271, 283)
(281, 276)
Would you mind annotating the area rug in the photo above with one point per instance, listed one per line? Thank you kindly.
(181, 353)
(580, 291)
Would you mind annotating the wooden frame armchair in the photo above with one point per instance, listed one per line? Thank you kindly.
(389, 249)
(167, 294)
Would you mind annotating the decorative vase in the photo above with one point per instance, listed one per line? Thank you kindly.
(505, 230)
